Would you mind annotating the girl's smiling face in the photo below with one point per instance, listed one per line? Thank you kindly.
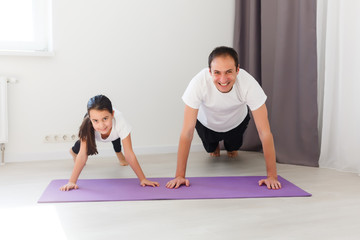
(101, 121)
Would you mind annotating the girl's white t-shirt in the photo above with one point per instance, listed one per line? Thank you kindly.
(219, 111)
(120, 128)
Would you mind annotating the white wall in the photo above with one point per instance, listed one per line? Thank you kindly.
(141, 54)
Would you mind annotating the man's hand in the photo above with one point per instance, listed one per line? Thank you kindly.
(177, 182)
(271, 183)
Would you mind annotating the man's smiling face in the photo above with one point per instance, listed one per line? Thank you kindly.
(224, 73)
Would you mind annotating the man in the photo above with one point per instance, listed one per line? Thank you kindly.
(216, 104)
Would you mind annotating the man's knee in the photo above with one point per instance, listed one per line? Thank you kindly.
(210, 147)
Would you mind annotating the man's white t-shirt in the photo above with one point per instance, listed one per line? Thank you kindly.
(120, 129)
(222, 112)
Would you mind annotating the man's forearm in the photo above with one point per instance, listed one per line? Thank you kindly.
(183, 154)
(269, 155)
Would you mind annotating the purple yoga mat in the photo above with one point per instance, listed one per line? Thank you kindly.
(128, 189)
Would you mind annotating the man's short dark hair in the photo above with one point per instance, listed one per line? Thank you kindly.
(224, 51)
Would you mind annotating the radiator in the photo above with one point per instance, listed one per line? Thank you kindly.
(4, 113)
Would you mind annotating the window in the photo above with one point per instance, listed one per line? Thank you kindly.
(25, 27)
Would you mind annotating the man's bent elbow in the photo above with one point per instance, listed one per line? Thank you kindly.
(265, 136)
(187, 135)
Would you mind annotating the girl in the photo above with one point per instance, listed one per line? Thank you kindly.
(102, 123)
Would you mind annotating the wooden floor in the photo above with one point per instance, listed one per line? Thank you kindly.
(333, 212)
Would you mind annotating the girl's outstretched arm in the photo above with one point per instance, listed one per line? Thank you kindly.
(132, 160)
(80, 161)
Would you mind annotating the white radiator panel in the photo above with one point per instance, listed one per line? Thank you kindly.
(3, 111)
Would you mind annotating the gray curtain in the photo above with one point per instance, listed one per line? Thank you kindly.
(276, 42)
(247, 42)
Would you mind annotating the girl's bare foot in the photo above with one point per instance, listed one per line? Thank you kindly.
(232, 154)
(121, 158)
(73, 154)
(216, 153)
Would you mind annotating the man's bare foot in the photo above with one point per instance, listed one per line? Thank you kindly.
(121, 158)
(232, 154)
(73, 154)
(216, 153)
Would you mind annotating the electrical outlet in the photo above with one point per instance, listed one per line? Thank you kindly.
(59, 138)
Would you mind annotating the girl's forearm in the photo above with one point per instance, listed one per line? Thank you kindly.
(79, 165)
(134, 164)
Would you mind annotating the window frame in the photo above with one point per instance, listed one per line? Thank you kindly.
(42, 44)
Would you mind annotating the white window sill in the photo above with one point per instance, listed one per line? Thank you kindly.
(27, 53)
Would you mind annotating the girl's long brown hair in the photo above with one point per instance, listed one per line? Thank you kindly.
(86, 131)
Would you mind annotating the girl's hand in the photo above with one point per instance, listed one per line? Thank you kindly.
(69, 186)
(146, 182)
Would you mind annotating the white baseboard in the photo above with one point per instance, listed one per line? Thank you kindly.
(108, 152)
(164, 149)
